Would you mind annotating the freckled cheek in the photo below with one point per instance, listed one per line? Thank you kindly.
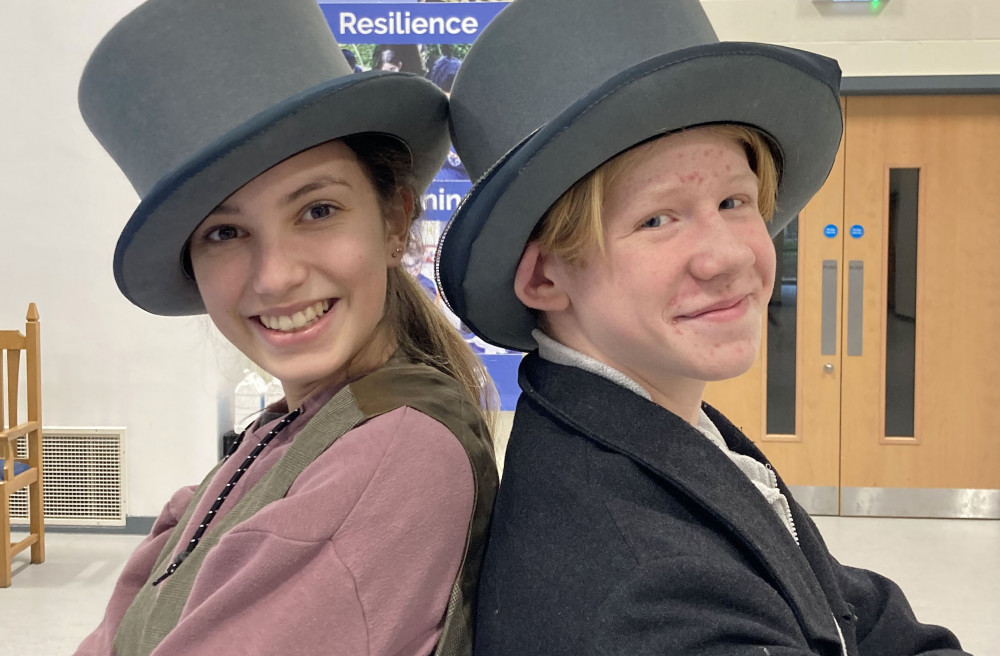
(766, 262)
(757, 239)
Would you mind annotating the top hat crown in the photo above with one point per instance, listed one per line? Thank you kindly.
(537, 58)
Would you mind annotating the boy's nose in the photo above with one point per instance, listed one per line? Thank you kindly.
(721, 250)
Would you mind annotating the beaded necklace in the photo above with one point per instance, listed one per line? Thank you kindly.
(249, 460)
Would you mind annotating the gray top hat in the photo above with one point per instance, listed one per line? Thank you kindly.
(527, 129)
(194, 99)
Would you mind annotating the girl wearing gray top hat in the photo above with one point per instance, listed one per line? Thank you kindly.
(619, 231)
(278, 190)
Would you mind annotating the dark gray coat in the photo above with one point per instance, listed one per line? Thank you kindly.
(620, 529)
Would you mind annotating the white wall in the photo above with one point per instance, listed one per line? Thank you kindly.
(902, 37)
(63, 203)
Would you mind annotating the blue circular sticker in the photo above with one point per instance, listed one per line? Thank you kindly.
(857, 231)
(830, 231)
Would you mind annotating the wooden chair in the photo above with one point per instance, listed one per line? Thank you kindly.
(20, 473)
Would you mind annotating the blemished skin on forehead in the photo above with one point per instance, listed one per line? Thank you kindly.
(678, 297)
(292, 268)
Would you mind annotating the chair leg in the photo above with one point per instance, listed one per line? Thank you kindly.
(5, 574)
(37, 520)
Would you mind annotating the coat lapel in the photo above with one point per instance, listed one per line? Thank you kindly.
(676, 452)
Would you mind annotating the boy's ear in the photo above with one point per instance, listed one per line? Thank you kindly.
(533, 283)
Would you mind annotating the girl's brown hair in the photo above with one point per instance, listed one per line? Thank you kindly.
(420, 329)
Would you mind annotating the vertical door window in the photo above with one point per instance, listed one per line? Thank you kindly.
(901, 302)
(781, 334)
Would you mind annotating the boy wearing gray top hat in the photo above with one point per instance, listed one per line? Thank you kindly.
(619, 230)
(278, 191)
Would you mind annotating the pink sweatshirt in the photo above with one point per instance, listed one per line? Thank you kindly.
(359, 557)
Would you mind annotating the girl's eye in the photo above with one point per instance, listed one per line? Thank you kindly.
(321, 211)
(730, 204)
(654, 221)
(222, 233)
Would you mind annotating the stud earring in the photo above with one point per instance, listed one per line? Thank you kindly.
(396, 252)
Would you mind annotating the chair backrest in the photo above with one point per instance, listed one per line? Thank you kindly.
(12, 428)
(12, 344)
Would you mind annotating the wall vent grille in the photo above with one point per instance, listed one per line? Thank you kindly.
(83, 477)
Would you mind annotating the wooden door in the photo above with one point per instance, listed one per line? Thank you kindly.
(920, 429)
(896, 279)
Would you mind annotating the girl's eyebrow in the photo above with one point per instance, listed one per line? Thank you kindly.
(316, 184)
(222, 208)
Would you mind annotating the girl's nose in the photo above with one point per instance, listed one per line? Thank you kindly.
(277, 268)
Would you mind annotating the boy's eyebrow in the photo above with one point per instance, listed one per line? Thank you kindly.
(313, 185)
(742, 175)
(674, 185)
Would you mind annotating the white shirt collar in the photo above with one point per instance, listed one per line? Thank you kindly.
(553, 351)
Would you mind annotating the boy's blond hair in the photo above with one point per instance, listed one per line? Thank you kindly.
(573, 228)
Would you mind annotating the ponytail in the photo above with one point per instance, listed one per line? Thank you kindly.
(425, 335)
(419, 327)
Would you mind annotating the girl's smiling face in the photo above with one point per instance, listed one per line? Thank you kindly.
(678, 297)
(292, 269)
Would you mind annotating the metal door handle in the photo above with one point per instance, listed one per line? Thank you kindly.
(828, 332)
(855, 306)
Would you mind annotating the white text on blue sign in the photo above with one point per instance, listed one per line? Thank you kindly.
(402, 22)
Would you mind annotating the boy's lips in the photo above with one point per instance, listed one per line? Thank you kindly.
(720, 309)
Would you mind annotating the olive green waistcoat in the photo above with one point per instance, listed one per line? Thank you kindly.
(155, 610)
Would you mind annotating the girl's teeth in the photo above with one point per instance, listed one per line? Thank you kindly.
(297, 320)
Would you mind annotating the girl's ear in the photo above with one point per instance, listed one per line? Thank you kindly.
(398, 217)
(533, 281)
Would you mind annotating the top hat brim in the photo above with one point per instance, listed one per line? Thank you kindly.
(148, 263)
(790, 95)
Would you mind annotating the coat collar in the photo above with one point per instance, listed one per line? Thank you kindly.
(674, 451)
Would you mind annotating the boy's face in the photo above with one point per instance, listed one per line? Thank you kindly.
(688, 271)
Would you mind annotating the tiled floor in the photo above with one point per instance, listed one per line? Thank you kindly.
(949, 569)
(51, 607)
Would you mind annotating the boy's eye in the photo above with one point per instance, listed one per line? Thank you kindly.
(222, 233)
(654, 221)
(730, 204)
(321, 211)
